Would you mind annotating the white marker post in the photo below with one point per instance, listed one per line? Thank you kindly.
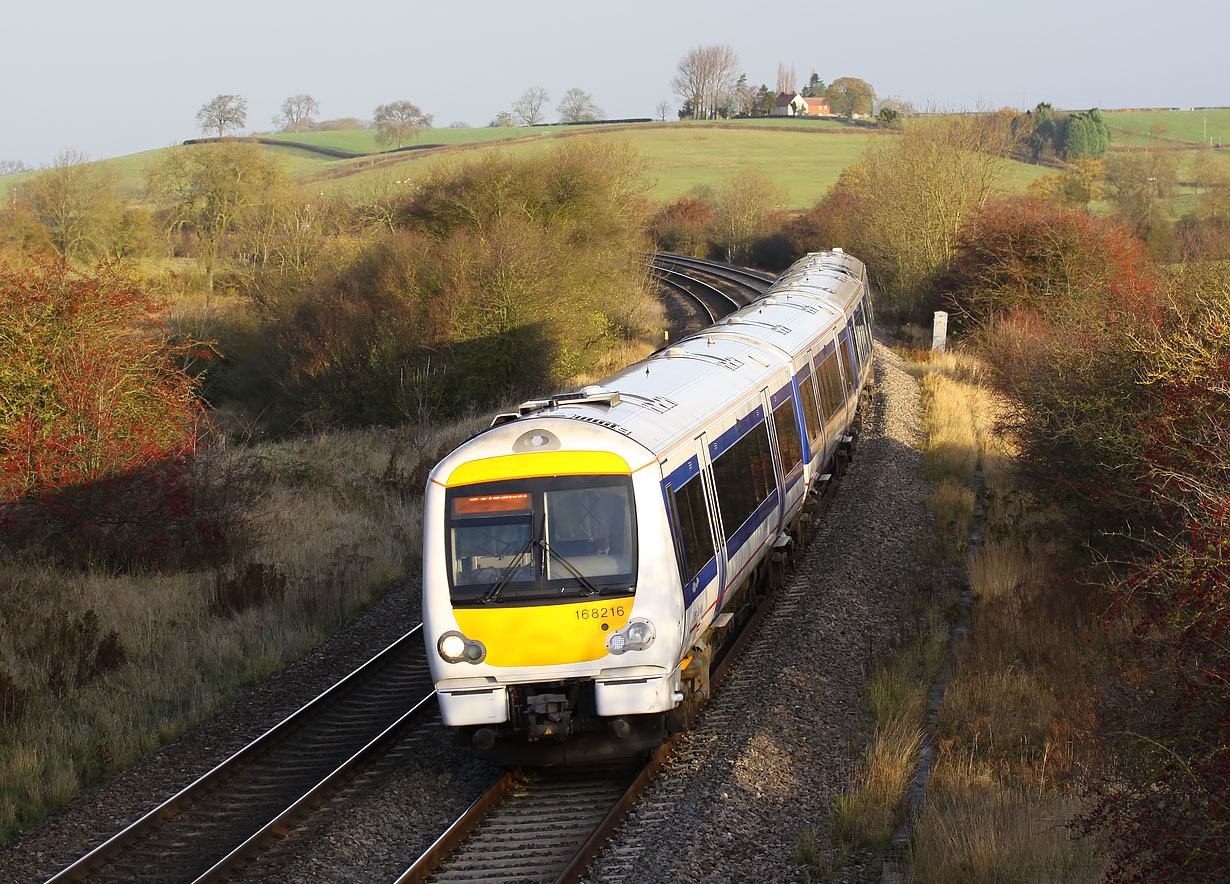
(939, 331)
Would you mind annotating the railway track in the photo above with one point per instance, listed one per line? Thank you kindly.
(713, 289)
(222, 820)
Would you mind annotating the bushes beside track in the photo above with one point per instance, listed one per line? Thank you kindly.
(491, 279)
(1120, 374)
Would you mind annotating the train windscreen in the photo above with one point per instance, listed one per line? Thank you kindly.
(539, 539)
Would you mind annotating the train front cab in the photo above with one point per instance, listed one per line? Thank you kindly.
(542, 649)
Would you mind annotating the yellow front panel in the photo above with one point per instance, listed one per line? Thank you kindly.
(544, 635)
(539, 463)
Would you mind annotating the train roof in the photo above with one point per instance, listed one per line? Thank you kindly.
(666, 396)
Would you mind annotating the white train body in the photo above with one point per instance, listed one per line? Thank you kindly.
(580, 555)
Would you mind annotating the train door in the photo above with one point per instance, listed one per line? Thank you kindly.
(700, 558)
(787, 445)
(713, 598)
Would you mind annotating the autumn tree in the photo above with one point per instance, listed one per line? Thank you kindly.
(578, 106)
(907, 200)
(209, 190)
(76, 201)
(528, 109)
(398, 122)
(223, 112)
(703, 74)
(849, 96)
(298, 113)
(1139, 181)
(1082, 182)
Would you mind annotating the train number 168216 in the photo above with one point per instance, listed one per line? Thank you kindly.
(600, 613)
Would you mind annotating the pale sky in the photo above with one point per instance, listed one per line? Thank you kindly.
(112, 77)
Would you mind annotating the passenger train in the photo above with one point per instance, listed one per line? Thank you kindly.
(584, 557)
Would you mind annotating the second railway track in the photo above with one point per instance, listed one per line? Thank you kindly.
(214, 825)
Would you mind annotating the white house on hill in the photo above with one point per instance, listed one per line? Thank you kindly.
(792, 104)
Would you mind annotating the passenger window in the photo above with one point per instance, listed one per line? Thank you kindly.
(744, 478)
(844, 350)
(811, 417)
(829, 376)
(695, 535)
(787, 435)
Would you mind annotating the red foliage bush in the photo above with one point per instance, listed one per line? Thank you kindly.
(1164, 796)
(98, 424)
(1029, 253)
(683, 227)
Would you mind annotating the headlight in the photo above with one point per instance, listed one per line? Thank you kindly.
(636, 636)
(455, 647)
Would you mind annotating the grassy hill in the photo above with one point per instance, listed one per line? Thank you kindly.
(1151, 128)
(804, 157)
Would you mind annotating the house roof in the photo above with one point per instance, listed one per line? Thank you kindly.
(785, 98)
(815, 102)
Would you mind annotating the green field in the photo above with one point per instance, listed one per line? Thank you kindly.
(1145, 128)
(804, 158)
(683, 160)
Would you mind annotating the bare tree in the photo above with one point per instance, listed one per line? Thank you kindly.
(705, 73)
(528, 109)
(13, 167)
(399, 121)
(298, 112)
(77, 202)
(663, 109)
(577, 106)
(743, 204)
(787, 79)
(223, 112)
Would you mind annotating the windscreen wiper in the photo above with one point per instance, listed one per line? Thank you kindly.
(585, 581)
(509, 570)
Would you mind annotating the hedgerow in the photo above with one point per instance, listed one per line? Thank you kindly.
(1121, 374)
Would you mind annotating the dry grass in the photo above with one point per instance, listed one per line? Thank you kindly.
(867, 815)
(998, 836)
(339, 515)
(1000, 794)
(960, 417)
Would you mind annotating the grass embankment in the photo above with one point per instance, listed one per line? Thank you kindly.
(336, 519)
(1000, 791)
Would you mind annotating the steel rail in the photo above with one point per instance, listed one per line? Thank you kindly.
(115, 846)
(731, 272)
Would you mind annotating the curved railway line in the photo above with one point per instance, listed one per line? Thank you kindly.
(542, 826)
(712, 289)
